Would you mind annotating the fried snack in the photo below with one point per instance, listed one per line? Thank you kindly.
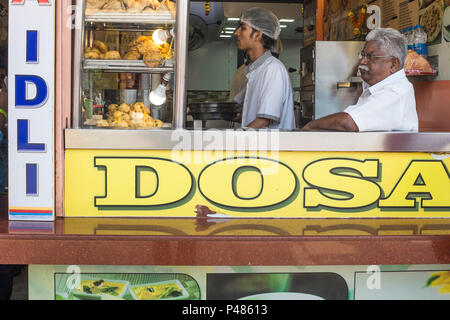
(124, 107)
(91, 49)
(126, 117)
(132, 55)
(171, 6)
(122, 124)
(154, 4)
(112, 107)
(101, 46)
(415, 63)
(92, 55)
(112, 55)
(137, 107)
(113, 5)
(166, 51)
(145, 44)
(152, 59)
(94, 4)
(102, 123)
(149, 50)
(135, 5)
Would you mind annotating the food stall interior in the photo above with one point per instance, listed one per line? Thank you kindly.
(120, 67)
(125, 79)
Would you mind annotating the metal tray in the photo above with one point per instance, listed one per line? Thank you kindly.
(213, 110)
(125, 65)
(141, 18)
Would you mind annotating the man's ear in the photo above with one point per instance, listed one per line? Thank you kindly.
(395, 66)
(258, 35)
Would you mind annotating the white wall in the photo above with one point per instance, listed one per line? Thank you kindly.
(442, 50)
(212, 66)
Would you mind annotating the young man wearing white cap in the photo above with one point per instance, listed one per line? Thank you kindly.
(268, 100)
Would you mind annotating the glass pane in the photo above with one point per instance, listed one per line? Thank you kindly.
(124, 60)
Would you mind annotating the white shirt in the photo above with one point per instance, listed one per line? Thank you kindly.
(388, 105)
(268, 93)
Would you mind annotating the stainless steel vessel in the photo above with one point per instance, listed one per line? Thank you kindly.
(213, 110)
(325, 65)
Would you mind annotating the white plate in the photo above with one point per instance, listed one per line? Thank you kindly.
(282, 296)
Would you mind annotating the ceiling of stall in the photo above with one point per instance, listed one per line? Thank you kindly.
(220, 27)
(284, 11)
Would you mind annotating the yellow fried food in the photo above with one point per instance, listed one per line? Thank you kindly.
(152, 59)
(135, 5)
(171, 6)
(112, 55)
(92, 55)
(126, 117)
(124, 107)
(94, 4)
(122, 124)
(143, 39)
(132, 55)
(117, 115)
(166, 51)
(101, 46)
(102, 123)
(147, 46)
(113, 5)
(136, 107)
(112, 107)
(146, 117)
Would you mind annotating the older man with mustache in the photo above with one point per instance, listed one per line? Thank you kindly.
(387, 102)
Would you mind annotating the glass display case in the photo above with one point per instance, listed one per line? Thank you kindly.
(124, 64)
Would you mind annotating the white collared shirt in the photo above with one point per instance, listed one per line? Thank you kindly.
(388, 105)
(268, 93)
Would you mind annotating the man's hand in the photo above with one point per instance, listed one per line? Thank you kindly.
(259, 123)
(238, 117)
(340, 121)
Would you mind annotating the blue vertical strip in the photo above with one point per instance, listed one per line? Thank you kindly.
(32, 179)
(22, 138)
(32, 46)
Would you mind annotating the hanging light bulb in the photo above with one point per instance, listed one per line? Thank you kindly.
(158, 96)
(160, 36)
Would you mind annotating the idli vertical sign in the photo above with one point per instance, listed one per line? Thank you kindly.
(31, 71)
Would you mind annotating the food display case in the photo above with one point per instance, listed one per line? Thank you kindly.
(124, 65)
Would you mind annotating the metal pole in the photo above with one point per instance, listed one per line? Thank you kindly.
(78, 52)
(181, 49)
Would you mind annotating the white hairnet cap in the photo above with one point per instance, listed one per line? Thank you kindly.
(263, 20)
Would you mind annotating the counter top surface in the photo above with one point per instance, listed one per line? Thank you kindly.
(165, 139)
(219, 241)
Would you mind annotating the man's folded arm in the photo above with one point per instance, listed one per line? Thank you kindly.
(340, 121)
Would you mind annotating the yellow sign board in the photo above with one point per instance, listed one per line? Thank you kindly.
(165, 183)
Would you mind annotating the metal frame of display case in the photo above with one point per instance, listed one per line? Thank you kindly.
(181, 44)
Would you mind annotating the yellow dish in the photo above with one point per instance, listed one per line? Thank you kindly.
(166, 290)
(99, 287)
